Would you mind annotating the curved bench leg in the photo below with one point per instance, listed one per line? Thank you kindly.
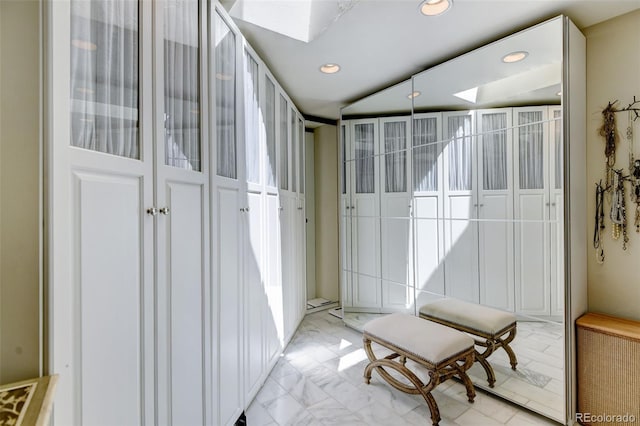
(461, 370)
(418, 386)
(482, 359)
(505, 345)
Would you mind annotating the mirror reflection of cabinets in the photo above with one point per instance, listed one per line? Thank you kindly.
(486, 198)
(454, 185)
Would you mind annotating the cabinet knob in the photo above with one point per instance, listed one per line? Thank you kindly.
(152, 211)
(242, 209)
(165, 211)
(246, 209)
(299, 208)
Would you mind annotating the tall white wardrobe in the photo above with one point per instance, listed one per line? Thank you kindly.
(175, 228)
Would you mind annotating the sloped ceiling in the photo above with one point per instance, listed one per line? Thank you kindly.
(381, 42)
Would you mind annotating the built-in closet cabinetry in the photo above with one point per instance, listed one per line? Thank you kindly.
(176, 214)
(464, 204)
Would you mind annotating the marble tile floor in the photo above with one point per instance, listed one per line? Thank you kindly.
(318, 381)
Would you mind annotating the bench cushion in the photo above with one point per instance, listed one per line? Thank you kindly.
(469, 315)
(429, 341)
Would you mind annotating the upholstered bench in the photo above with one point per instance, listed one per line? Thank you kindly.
(490, 324)
(444, 352)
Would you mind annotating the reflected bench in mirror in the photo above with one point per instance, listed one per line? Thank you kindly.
(444, 352)
(495, 328)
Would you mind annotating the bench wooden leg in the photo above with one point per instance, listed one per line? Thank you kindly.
(505, 345)
(418, 386)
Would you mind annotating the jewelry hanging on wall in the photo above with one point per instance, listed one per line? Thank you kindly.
(618, 213)
(608, 131)
(599, 223)
(634, 173)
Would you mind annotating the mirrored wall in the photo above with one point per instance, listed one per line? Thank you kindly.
(454, 186)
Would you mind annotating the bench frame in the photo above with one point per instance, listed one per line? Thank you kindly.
(491, 343)
(455, 365)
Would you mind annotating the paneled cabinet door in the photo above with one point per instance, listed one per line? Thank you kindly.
(460, 206)
(428, 206)
(531, 193)
(395, 214)
(346, 162)
(365, 215)
(228, 202)
(495, 207)
(556, 211)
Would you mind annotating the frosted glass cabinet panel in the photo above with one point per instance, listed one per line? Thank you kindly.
(270, 130)
(105, 77)
(182, 85)
(252, 119)
(224, 51)
(283, 132)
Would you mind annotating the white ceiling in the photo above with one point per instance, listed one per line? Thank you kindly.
(381, 42)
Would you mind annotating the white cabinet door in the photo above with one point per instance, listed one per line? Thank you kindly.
(346, 163)
(531, 211)
(301, 240)
(428, 206)
(495, 208)
(395, 220)
(460, 206)
(100, 241)
(182, 197)
(227, 223)
(556, 211)
(365, 213)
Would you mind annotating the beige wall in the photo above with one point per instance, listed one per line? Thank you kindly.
(19, 191)
(613, 72)
(326, 199)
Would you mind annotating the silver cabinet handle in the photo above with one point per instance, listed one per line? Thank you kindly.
(165, 210)
(299, 208)
(152, 211)
(280, 208)
(242, 209)
(246, 209)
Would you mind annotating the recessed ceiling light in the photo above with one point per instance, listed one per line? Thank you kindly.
(414, 95)
(330, 68)
(83, 44)
(514, 56)
(435, 7)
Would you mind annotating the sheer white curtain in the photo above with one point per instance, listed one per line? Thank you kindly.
(343, 145)
(284, 144)
(364, 150)
(225, 93)
(557, 129)
(104, 76)
(494, 151)
(460, 153)
(251, 119)
(182, 84)
(270, 128)
(395, 145)
(425, 154)
(301, 153)
(531, 159)
(294, 148)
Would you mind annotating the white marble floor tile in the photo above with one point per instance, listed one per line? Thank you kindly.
(284, 409)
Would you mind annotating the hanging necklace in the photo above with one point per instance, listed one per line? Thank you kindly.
(608, 131)
(618, 209)
(634, 173)
(599, 223)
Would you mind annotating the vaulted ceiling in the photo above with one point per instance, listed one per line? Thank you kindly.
(380, 42)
